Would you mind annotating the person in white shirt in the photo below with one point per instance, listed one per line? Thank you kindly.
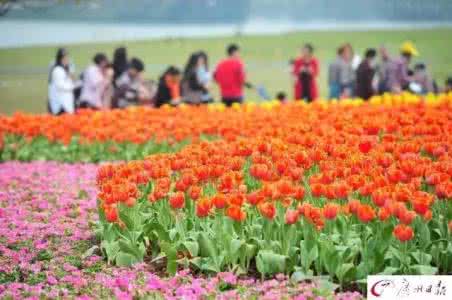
(95, 82)
(61, 85)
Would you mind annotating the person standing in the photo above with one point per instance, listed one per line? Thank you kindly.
(341, 75)
(346, 73)
(305, 71)
(61, 85)
(230, 76)
(120, 63)
(95, 82)
(399, 76)
(333, 76)
(365, 75)
(383, 70)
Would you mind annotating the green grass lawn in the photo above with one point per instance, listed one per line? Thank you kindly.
(23, 71)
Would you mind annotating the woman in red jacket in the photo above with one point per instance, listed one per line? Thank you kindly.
(305, 72)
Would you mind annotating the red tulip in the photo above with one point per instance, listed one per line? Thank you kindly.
(407, 217)
(330, 211)
(267, 209)
(111, 214)
(254, 198)
(403, 232)
(194, 192)
(365, 146)
(203, 207)
(219, 200)
(177, 200)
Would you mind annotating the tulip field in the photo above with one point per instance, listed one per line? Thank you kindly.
(257, 201)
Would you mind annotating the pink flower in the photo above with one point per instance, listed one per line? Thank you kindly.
(154, 283)
(51, 280)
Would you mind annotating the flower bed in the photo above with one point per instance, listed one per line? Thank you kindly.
(325, 192)
(342, 191)
(140, 131)
(48, 248)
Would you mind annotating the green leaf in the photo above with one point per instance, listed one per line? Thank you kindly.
(423, 234)
(125, 259)
(268, 262)
(196, 261)
(134, 250)
(192, 247)
(345, 271)
(172, 233)
(250, 250)
(299, 276)
(235, 246)
(421, 257)
(124, 216)
(171, 257)
(327, 285)
(397, 254)
(308, 255)
(390, 271)
(313, 254)
(206, 246)
(424, 269)
(111, 249)
(158, 229)
(208, 264)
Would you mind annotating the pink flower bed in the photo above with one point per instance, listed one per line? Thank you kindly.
(48, 247)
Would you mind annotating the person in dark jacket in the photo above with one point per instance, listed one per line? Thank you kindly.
(196, 80)
(365, 75)
(120, 63)
(169, 90)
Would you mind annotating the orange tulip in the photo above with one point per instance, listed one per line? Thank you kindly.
(366, 213)
(236, 213)
(194, 192)
(384, 214)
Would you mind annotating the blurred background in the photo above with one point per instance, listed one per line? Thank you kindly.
(163, 32)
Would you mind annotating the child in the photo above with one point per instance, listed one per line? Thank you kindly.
(422, 82)
(281, 97)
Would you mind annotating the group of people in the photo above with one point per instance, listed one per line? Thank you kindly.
(120, 83)
(351, 76)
